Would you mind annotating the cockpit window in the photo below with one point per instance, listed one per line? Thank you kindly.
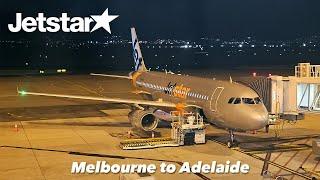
(257, 100)
(237, 101)
(230, 100)
(248, 100)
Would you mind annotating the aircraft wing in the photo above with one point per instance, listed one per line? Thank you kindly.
(105, 99)
(110, 75)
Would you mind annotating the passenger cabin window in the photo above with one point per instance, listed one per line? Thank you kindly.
(230, 100)
(237, 101)
(248, 100)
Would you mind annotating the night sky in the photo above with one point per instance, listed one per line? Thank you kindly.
(189, 20)
(269, 19)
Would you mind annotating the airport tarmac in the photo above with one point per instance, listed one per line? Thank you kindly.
(51, 133)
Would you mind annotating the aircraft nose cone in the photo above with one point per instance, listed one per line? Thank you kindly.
(259, 120)
(264, 119)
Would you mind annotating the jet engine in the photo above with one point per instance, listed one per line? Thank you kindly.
(143, 119)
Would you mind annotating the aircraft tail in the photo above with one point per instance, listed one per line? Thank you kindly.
(137, 55)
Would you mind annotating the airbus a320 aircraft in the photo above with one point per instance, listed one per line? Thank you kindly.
(224, 103)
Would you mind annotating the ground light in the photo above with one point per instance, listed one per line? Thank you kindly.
(22, 92)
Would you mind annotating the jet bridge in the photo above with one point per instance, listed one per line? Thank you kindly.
(289, 96)
(299, 93)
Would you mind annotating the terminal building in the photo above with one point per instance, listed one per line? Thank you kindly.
(290, 96)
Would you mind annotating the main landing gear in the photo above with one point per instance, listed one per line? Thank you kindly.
(232, 142)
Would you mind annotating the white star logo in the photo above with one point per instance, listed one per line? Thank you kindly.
(103, 20)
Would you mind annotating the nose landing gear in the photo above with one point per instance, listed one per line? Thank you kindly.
(232, 142)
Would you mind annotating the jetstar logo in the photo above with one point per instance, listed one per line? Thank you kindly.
(63, 23)
(177, 91)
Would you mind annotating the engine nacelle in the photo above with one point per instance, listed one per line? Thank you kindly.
(143, 119)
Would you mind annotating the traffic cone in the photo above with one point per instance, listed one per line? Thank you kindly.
(16, 127)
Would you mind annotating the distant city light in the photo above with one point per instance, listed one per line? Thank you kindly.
(239, 46)
(254, 74)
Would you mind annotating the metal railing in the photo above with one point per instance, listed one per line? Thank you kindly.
(307, 70)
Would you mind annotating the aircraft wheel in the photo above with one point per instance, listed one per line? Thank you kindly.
(235, 143)
(232, 144)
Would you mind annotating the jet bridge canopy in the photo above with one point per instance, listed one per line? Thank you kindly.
(289, 95)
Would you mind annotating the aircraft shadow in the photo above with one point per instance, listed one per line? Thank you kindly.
(107, 124)
(252, 143)
(56, 112)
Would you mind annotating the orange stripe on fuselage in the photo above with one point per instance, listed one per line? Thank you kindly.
(135, 75)
(179, 91)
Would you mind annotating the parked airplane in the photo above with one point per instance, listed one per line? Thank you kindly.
(224, 103)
